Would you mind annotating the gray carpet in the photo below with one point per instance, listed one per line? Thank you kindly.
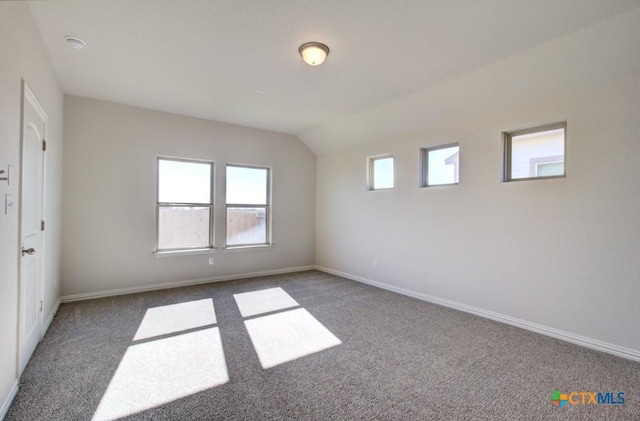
(400, 358)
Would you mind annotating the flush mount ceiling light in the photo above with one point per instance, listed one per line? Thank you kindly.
(75, 43)
(314, 53)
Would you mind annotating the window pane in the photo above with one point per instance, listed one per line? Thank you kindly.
(383, 173)
(547, 170)
(246, 226)
(184, 182)
(443, 166)
(530, 150)
(181, 227)
(247, 186)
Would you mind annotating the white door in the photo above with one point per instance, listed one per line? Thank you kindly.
(33, 127)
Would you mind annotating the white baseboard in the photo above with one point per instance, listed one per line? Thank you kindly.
(167, 285)
(47, 322)
(595, 344)
(6, 403)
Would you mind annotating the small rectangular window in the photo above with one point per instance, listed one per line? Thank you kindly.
(248, 205)
(184, 208)
(535, 153)
(380, 172)
(440, 165)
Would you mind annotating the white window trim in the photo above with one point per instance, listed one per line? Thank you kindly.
(552, 160)
(185, 250)
(268, 207)
(256, 247)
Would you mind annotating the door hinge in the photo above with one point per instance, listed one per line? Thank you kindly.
(41, 305)
(44, 145)
(41, 225)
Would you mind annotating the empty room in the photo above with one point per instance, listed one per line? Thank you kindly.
(319, 210)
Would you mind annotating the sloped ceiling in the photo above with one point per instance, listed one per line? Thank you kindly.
(391, 62)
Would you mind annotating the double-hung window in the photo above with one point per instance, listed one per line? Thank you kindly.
(184, 205)
(248, 201)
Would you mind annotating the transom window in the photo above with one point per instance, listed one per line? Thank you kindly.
(535, 153)
(440, 165)
(380, 172)
(184, 204)
(248, 198)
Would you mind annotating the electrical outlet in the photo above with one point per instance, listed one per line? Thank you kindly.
(375, 264)
(211, 261)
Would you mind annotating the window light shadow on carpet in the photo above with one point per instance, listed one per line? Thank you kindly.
(263, 301)
(284, 336)
(154, 371)
(176, 318)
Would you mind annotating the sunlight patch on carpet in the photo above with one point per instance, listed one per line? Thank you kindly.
(157, 372)
(174, 318)
(263, 301)
(283, 337)
(168, 362)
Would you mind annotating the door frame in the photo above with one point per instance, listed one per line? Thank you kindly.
(27, 95)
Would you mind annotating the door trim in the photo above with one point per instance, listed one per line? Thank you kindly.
(27, 95)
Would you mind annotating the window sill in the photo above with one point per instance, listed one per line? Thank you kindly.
(439, 185)
(541, 177)
(248, 248)
(190, 252)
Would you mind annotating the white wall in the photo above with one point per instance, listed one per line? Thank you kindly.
(562, 253)
(109, 197)
(22, 56)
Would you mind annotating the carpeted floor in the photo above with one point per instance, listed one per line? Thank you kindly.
(399, 358)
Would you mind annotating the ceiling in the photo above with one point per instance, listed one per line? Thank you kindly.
(237, 61)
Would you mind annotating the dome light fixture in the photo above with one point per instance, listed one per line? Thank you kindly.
(75, 43)
(313, 53)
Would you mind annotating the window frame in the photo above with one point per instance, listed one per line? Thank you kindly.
(507, 139)
(536, 162)
(268, 235)
(371, 172)
(210, 205)
(424, 165)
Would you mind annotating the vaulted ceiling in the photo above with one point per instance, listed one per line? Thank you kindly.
(237, 61)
